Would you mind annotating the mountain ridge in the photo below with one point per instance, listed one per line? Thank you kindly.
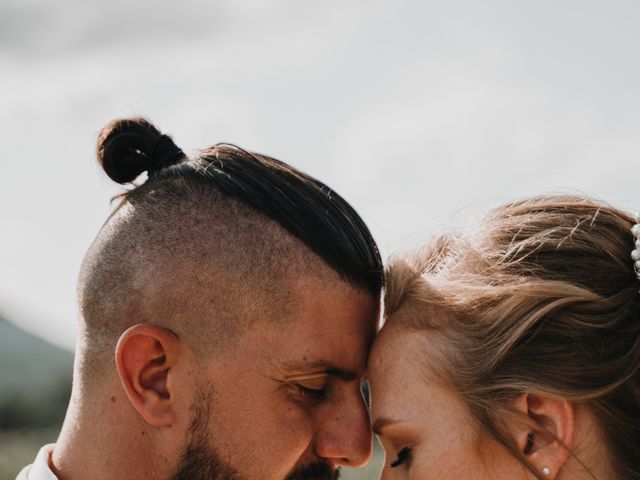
(35, 378)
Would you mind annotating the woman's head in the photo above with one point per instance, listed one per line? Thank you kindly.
(532, 319)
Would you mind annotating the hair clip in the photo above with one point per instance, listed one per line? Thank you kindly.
(635, 254)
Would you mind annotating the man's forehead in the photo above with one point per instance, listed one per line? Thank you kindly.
(322, 366)
(328, 331)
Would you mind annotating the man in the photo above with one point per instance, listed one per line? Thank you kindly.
(227, 307)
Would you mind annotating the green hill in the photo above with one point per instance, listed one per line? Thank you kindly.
(35, 379)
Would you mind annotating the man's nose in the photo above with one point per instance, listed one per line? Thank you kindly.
(345, 437)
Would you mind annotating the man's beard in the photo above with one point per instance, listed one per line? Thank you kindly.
(201, 461)
(315, 471)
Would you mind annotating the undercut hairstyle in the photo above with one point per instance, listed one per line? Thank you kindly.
(209, 243)
(540, 297)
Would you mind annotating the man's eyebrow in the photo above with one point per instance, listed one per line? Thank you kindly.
(323, 366)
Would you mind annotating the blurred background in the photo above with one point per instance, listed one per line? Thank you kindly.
(421, 113)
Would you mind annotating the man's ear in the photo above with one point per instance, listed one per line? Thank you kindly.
(145, 355)
(545, 437)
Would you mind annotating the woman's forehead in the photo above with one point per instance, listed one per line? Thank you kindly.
(396, 355)
(401, 357)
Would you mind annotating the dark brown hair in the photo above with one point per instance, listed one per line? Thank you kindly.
(542, 296)
(304, 206)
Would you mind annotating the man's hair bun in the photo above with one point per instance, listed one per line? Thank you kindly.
(129, 146)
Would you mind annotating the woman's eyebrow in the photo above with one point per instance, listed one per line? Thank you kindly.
(381, 423)
(323, 367)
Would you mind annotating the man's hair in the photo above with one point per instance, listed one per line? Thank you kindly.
(211, 242)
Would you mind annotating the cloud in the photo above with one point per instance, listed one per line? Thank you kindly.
(417, 112)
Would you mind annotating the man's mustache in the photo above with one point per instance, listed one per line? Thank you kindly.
(315, 471)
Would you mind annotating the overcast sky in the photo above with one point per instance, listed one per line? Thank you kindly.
(420, 113)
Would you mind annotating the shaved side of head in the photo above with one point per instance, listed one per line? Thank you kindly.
(205, 268)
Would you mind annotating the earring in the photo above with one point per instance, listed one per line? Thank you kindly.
(546, 470)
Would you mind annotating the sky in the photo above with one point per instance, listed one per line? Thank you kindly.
(422, 114)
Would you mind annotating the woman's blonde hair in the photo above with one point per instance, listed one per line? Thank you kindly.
(541, 297)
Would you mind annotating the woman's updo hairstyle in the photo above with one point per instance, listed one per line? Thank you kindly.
(128, 147)
(541, 296)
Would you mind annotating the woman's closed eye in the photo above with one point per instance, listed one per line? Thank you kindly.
(404, 456)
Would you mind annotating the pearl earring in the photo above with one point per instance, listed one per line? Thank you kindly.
(546, 470)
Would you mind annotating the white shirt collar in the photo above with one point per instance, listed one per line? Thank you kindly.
(40, 470)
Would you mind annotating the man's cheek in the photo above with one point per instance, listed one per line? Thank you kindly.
(293, 426)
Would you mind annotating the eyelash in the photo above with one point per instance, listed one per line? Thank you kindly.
(311, 393)
(403, 456)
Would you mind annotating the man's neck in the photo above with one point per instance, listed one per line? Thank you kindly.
(103, 438)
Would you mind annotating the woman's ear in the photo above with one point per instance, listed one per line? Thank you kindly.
(545, 436)
(145, 355)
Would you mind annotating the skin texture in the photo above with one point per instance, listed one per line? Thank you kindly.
(259, 390)
(414, 410)
(251, 411)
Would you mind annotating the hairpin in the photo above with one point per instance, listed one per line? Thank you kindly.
(635, 254)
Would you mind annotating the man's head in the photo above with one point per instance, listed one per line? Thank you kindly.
(240, 297)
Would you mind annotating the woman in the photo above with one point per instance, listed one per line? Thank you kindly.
(513, 351)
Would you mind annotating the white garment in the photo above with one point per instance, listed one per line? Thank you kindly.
(40, 470)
